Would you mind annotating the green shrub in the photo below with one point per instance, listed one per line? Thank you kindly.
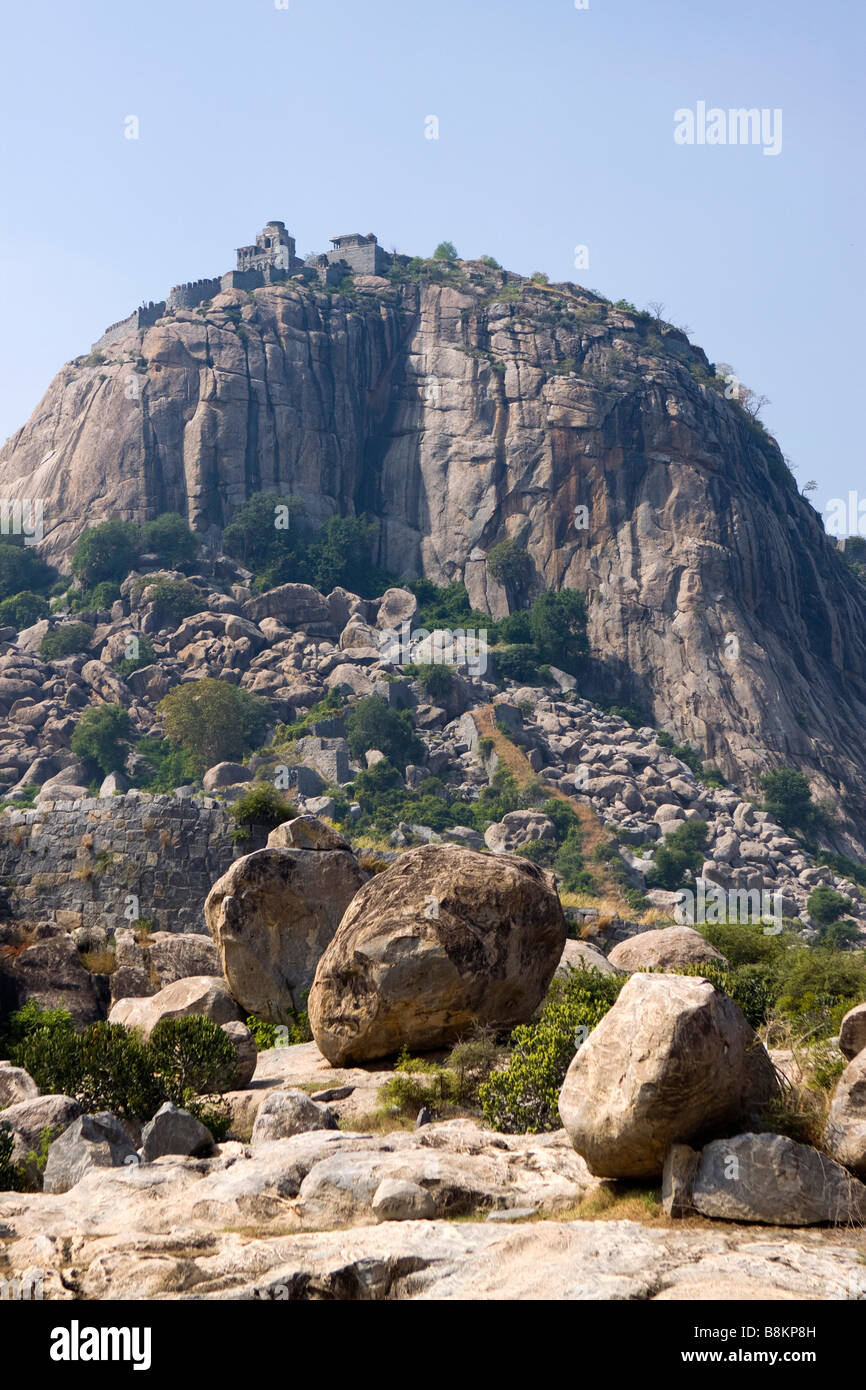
(170, 538)
(213, 721)
(788, 799)
(295, 1030)
(100, 596)
(515, 630)
(825, 905)
(29, 1019)
(146, 657)
(445, 251)
(106, 551)
(557, 622)
(99, 737)
(816, 987)
(173, 598)
(681, 852)
(11, 1177)
(265, 532)
(191, 1057)
(519, 663)
(22, 570)
(569, 865)
(261, 807)
(524, 1098)
(66, 640)
(437, 681)
(374, 724)
(23, 610)
(104, 1068)
(166, 767)
(509, 564)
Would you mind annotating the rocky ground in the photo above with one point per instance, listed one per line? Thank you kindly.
(311, 1196)
(293, 645)
(450, 1211)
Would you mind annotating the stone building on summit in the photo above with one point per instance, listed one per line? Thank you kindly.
(272, 257)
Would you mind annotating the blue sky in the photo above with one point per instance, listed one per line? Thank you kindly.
(555, 129)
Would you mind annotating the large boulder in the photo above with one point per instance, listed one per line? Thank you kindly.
(199, 994)
(398, 606)
(672, 1061)
(273, 913)
(296, 605)
(845, 1135)
(582, 955)
(174, 1131)
(146, 964)
(29, 1119)
(667, 949)
(15, 1085)
(442, 938)
(852, 1033)
(518, 828)
(225, 775)
(285, 1113)
(50, 973)
(246, 1054)
(306, 832)
(770, 1179)
(91, 1141)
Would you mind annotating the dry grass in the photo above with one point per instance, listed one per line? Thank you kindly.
(375, 1122)
(615, 1202)
(99, 962)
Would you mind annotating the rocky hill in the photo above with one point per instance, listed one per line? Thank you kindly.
(459, 405)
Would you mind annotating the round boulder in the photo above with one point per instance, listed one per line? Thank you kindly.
(673, 1061)
(197, 994)
(272, 914)
(670, 948)
(442, 938)
(246, 1053)
(852, 1033)
(845, 1137)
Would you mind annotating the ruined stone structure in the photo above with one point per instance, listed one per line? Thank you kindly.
(192, 293)
(362, 254)
(269, 259)
(90, 862)
(143, 317)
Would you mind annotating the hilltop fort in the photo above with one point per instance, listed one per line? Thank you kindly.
(269, 260)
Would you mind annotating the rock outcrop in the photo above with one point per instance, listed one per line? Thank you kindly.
(442, 938)
(273, 915)
(673, 1060)
(458, 414)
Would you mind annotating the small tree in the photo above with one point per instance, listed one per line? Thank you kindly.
(99, 737)
(681, 853)
(788, 799)
(445, 251)
(214, 721)
(262, 807)
(509, 564)
(107, 551)
(22, 569)
(557, 623)
(170, 538)
(373, 724)
(23, 610)
(66, 640)
(825, 905)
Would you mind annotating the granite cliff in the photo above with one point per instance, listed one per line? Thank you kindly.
(459, 405)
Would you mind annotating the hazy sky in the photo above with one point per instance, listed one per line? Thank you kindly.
(556, 129)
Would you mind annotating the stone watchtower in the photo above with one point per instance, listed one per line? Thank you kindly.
(274, 249)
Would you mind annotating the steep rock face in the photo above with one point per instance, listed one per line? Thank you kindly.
(459, 413)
